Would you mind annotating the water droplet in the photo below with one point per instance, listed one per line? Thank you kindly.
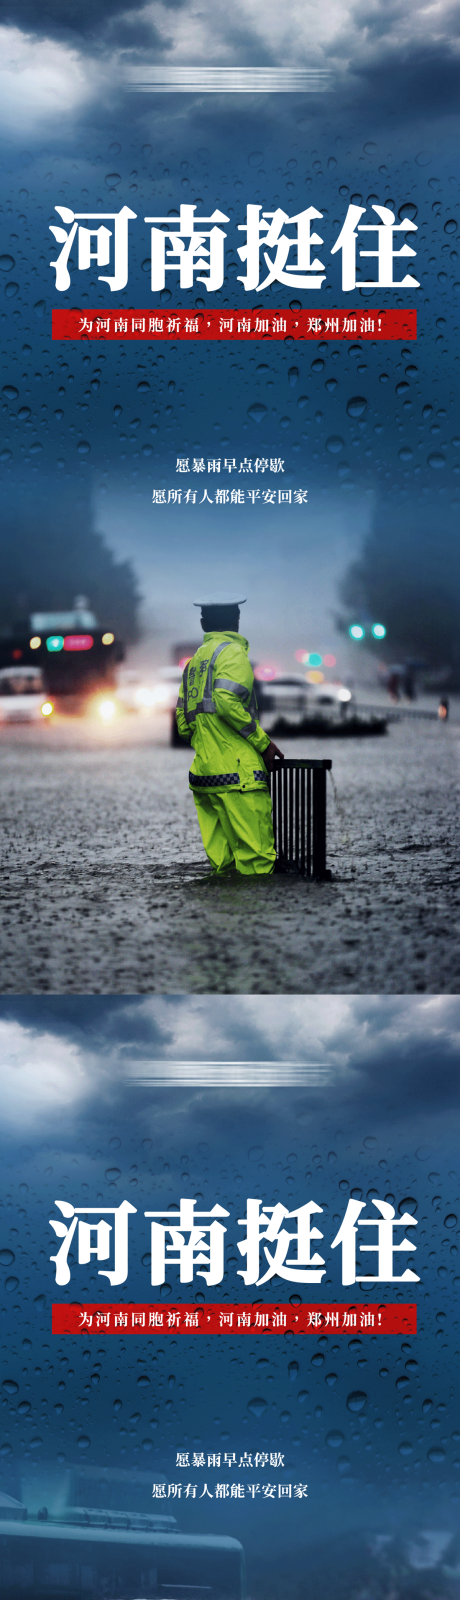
(451, 225)
(10, 392)
(436, 460)
(331, 1379)
(257, 1406)
(83, 447)
(7, 263)
(293, 375)
(40, 1301)
(11, 1284)
(5, 1449)
(402, 387)
(10, 1386)
(356, 1400)
(257, 412)
(317, 366)
(112, 1174)
(331, 384)
(285, 1416)
(437, 1455)
(427, 1404)
(11, 289)
(113, 179)
(343, 1464)
(335, 1439)
(318, 1359)
(405, 454)
(7, 1257)
(36, 1442)
(143, 386)
(255, 158)
(255, 1152)
(24, 1408)
(334, 444)
(449, 1221)
(302, 1396)
(24, 413)
(401, 1383)
(356, 405)
(143, 1381)
(405, 1448)
(407, 210)
(293, 1370)
(83, 1442)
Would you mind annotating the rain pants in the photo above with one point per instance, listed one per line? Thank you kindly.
(217, 707)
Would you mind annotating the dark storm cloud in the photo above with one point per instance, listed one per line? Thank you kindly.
(405, 84)
(75, 20)
(390, 1059)
(94, 1022)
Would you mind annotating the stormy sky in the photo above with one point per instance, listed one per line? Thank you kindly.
(77, 132)
(75, 1127)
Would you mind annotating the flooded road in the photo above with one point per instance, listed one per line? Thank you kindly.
(106, 888)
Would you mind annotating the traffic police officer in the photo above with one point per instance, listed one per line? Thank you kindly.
(217, 710)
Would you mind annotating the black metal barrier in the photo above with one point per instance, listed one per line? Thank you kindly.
(298, 792)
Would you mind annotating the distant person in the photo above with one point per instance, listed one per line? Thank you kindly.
(443, 708)
(393, 684)
(409, 684)
(217, 707)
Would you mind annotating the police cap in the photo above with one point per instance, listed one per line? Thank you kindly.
(219, 600)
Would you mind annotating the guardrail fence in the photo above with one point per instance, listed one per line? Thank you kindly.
(298, 792)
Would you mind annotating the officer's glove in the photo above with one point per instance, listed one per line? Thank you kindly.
(270, 754)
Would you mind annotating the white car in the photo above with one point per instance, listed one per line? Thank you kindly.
(291, 701)
(22, 695)
(136, 692)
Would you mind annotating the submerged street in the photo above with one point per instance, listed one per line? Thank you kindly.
(106, 888)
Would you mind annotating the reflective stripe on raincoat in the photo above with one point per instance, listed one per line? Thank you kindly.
(217, 706)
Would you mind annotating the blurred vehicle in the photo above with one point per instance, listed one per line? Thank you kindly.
(84, 1541)
(136, 693)
(76, 657)
(22, 695)
(288, 702)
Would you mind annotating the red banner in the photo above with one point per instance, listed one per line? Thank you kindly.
(246, 324)
(225, 1319)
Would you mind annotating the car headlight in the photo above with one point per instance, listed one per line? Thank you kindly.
(107, 709)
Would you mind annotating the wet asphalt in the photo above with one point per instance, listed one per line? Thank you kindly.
(105, 888)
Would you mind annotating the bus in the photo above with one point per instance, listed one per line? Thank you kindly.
(77, 658)
(86, 1543)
